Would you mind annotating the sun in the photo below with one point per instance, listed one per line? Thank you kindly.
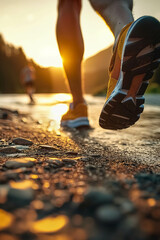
(50, 61)
(48, 57)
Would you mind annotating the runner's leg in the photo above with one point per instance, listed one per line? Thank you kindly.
(116, 13)
(71, 46)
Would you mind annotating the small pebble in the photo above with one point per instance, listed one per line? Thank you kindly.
(5, 115)
(108, 214)
(47, 147)
(13, 155)
(90, 167)
(20, 162)
(96, 197)
(13, 174)
(69, 161)
(22, 141)
(9, 150)
(129, 224)
(72, 153)
(127, 207)
(55, 162)
(84, 159)
(21, 147)
(20, 196)
(95, 155)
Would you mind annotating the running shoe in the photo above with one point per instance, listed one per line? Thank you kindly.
(75, 117)
(136, 56)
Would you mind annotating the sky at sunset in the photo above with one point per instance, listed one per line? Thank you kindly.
(31, 24)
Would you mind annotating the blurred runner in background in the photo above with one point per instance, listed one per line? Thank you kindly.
(27, 78)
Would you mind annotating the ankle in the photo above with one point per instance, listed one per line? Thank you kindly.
(76, 102)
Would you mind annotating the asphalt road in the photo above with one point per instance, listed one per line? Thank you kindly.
(140, 142)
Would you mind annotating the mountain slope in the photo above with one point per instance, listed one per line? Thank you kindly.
(98, 61)
(95, 71)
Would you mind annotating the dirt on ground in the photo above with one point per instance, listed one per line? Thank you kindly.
(69, 185)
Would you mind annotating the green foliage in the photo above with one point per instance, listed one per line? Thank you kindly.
(12, 60)
(153, 88)
(156, 76)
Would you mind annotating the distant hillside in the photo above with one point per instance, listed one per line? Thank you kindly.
(95, 71)
(99, 61)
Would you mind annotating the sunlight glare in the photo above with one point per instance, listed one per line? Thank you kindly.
(62, 97)
(47, 56)
(22, 184)
(57, 111)
(151, 202)
(50, 224)
(6, 219)
(55, 115)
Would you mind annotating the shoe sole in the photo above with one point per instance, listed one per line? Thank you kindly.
(78, 122)
(140, 58)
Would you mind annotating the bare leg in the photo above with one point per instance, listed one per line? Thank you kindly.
(71, 46)
(30, 92)
(116, 13)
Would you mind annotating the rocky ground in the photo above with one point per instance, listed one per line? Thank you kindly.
(73, 186)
